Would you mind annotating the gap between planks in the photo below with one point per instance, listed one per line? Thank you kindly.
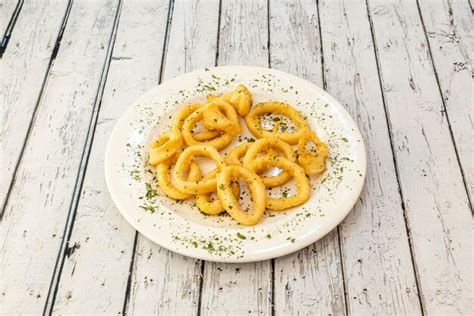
(323, 77)
(82, 169)
(387, 118)
(138, 48)
(443, 100)
(54, 53)
(132, 268)
(56, 277)
(9, 27)
(431, 281)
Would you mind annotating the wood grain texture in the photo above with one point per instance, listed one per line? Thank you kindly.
(94, 277)
(434, 196)
(379, 273)
(163, 282)
(309, 281)
(8, 8)
(237, 289)
(23, 68)
(35, 217)
(243, 37)
(448, 24)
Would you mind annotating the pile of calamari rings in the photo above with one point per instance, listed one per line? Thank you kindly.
(247, 162)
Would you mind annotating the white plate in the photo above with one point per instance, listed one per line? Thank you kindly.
(180, 227)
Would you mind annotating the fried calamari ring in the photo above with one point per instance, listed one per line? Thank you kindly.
(297, 172)
(253, 121)
(231, 204)
(206, 135)
(263, 145)
(219, 142)
(312, 162)
(164, 182)
(233, 157)
(240, 99)
(214, 119)
(164, 147)
(196, 186)
(213, 206)
(183, 114)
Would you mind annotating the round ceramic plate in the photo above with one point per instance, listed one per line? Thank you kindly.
(180, 226)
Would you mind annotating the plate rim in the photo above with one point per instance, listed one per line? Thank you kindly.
(262, 255)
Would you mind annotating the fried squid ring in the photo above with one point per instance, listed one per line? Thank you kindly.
(297, 172)
(236, 155)
(210, 206)
(195, 186)
(164, 182)
(253, 121)
(231, 204)
(164, 147)
(206, 135)
(312, 162)
(266, 144)
(214, 119)
(183, 114)
(240, 99)
(219, 142)
(233, 157)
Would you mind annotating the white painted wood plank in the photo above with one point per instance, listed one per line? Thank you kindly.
(23, 68)
(435, 199)
(163, 282)
(448, 25)
(7, 10)
(309, 281)
(94, 277)
(37, 210)
(237, 289)
(378, 269)
(193, 37)
(243, 38)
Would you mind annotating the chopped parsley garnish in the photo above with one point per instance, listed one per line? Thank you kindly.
(150, 192)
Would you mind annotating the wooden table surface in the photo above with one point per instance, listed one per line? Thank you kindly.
(68, 70)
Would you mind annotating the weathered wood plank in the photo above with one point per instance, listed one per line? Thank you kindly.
(23, 68)
(36, 213)
(309, 281)
(433, 192)
(243, 37)
(378, 269)
(236, 289)
(448, 24)
(164, 282)
(8, 9)
(94, 277)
